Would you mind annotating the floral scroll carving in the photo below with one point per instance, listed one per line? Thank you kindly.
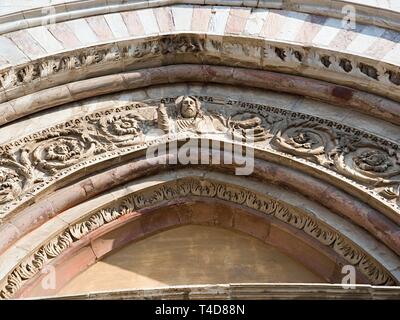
(370, 163)
(352, 153)
(306, 139)
(249, 126)
(15, 176)
(364, 159)
(63, 149)
(122, 129)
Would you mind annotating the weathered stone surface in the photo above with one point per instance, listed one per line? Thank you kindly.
(71, 266)
(82, 31)
(100, 27)
(245, 291)
(45, 39)
(165, 19)
(148, 21)
(132, 23)
(306, 254)
(88, 94)
(65, 35)
(360, 101)
(117, 25)
(164, 218)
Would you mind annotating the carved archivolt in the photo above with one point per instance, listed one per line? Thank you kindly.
(32, 163)
(270, 53)
(201, 188)
(350, 152)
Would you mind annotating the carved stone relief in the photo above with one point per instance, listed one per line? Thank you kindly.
(202, 188)
(62, 149)
(30, 164)
(355, 155)
(270, 53)
(15, 176)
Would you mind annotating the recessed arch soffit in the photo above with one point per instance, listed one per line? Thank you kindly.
(350, 245)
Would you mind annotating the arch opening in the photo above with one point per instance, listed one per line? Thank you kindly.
(190, 255)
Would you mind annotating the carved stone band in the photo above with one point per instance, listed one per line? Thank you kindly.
(194, 187)
(361, 160)
(255, 53)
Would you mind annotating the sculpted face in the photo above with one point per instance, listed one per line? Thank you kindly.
(189, 108)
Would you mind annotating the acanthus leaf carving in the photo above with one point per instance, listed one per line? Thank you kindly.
(327, 237)
(289, 56)
(345, 249)
(15, 176)
(197, 188)
(374, 272)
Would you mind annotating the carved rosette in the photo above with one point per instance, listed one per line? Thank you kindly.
(369, 162)
(63, 150)
(375, 165)
(122, 129)
(306, 139)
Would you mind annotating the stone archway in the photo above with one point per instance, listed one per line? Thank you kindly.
(88, 109)
(327, 243)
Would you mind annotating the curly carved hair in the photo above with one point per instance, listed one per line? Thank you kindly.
(179, 100)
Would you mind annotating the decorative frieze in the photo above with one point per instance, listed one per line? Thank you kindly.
(31, 164)
(268, 53)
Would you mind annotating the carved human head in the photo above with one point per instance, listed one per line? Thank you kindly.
(189, 106)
